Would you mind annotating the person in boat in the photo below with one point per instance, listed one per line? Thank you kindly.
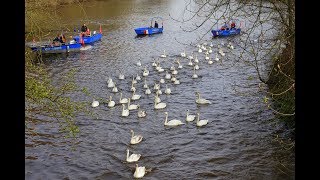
(233, 25)
(85, 30)
(225, 27)
(57, 40)
(156, 25)
(63, 39)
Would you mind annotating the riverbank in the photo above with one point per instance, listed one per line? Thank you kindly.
(281, 85)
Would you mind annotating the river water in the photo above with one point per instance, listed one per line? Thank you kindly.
(237, 143)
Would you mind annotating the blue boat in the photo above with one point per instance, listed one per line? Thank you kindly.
(89, 39)
(62, 48)
(224, 33)
(150, 29)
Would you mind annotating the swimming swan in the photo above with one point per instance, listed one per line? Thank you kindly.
(194, 76)
(168, 76)
(111, 103)
(164, 54)
(159, 105)
(124, 100)
(135, 139)
(141, 113)
(201, 100)
(183, 54)
(189, 117)
(173, 122)
(139, 172)
(125, 112)
(135, 96)
(132, 106)
(114, 89)
(168, 90)
(95, 103)
(201, 122)
(132, 157)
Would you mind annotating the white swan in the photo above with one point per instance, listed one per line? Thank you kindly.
(189, 117)
(157, 98)
(148, 91)
(183, 54)
(95, 103)
(159, 91)
(160, 70)
(168, 76)
(173, 122)
(201, 100)
(191, 56)
(159, 105)
(174, 72)
(211, 45)
(196, 67)
(200, 50)
(216, 58)
(194, 76)
(135, 139)
(111, 103)
(145, 84)
(145, 72)
(172, 68)
(132, 106)
(156, 86)
(154, 64)
(114, 89)
(201, 122)
(207, 52)
(135, 96)
(190, 63)
(125, 112)
(164, 54)
(139, 63)
(210, 50)
(138, 77)
(162, 81)
(124, 100)
(168, 90)
(176, 81)
(139, 172)
(207, 57)
(132, 87)
(141, 113)
(111, 84)
(210, 61)
(179, 65)
(121, 76)
(132, 157)
(173, 79)
(109, 80)
(196, 60)
(133, 80)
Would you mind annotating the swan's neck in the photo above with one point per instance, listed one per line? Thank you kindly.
(128, 102)
(127, 154)
(120, 96)
(198, 118)
(123, 108)
(187, 113)
(110, 98)
(166, 120)
(132, 134)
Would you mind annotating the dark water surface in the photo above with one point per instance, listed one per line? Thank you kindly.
(237, 142)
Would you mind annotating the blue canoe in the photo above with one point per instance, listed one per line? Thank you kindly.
(63, 48)
(148, 30)
(224, 33)
(89, 39)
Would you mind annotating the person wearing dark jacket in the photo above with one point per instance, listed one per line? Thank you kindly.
(156, 24)
(84, 28)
